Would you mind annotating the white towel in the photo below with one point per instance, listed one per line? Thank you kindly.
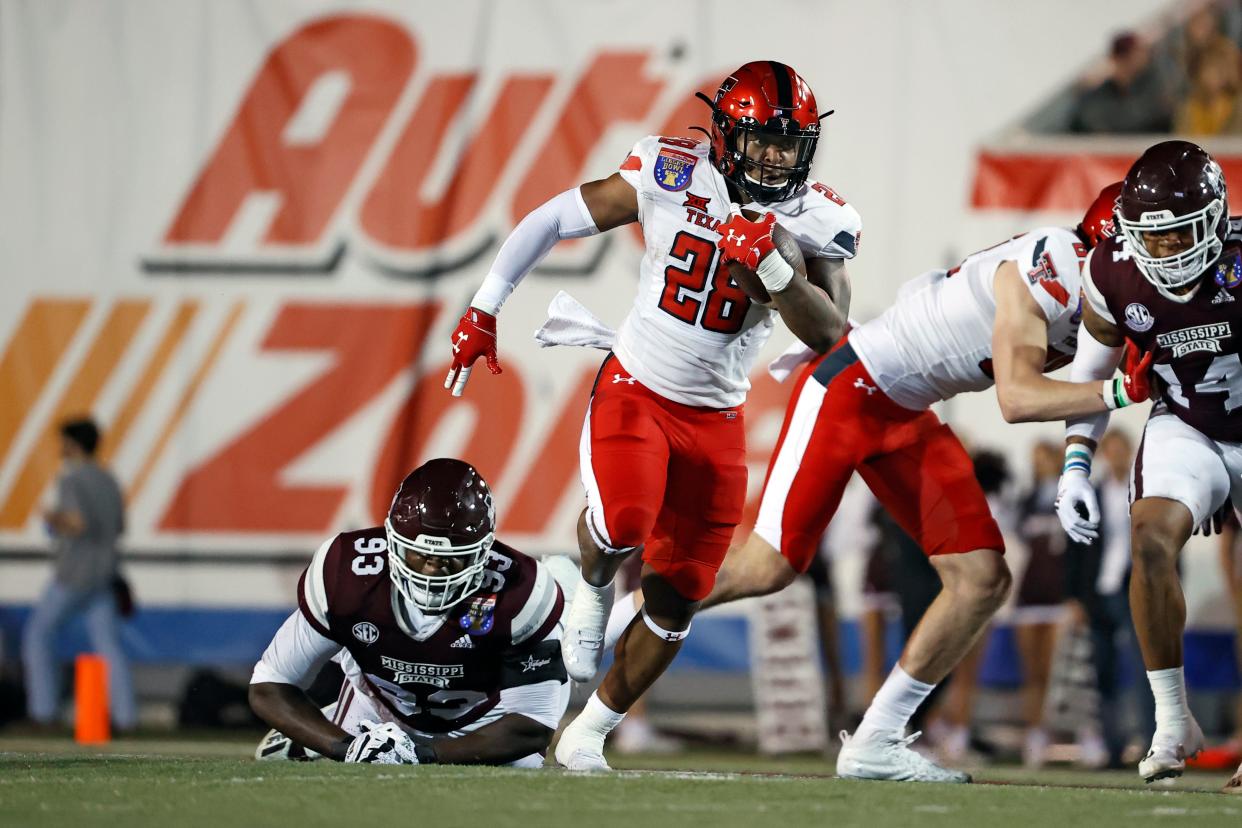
(570, 323)
(795, 355)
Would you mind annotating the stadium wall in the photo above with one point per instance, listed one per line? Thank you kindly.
(240, 233)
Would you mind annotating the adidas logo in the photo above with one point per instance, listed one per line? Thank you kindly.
(1222, 296)
(464, 641)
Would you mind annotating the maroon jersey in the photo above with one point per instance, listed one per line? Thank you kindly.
(490, 640)
(1197, 366)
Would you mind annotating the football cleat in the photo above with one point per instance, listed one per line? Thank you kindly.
(582, 645)
(580, 749)
(890, 758)
(1170, 748)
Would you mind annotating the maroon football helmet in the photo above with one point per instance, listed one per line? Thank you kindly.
(764, 103)
(442, 510)
(1174, 186)
(1099, 222)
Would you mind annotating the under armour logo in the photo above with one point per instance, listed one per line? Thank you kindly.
(738, 239)
(871, 389)
(461, 337)
(618, 378)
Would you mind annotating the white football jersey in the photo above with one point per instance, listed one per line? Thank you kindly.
(693, 335)
(935, 341)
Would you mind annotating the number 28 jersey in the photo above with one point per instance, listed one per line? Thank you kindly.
(693, 334)
(1196, 345)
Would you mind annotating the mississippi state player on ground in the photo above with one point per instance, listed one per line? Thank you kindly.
(663, 445)
(1004, 315)
(1168, 281)
(450, 640)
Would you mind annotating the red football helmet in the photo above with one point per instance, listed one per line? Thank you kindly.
(763, 105)
(1099, 222)
(1175, 186)
(442, 510)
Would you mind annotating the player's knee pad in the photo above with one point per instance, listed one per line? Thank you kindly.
(693, 580)
(623, 528)
(660, 632)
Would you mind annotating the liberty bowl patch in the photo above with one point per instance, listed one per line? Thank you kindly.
(672, 169)
(1229, 271)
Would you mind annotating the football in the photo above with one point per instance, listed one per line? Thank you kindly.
(747, 279)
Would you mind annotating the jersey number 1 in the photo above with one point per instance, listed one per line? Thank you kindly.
(724, 308)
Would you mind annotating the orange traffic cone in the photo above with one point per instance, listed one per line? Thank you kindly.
(90, 725)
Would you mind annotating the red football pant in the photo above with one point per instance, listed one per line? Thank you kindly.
(838, 422)
(663, 474)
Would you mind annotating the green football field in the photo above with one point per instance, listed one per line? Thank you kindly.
(210, 783)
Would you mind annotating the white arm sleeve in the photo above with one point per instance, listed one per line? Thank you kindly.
(1092, 361)
(296, 654)
(545, 702)
(564, 217)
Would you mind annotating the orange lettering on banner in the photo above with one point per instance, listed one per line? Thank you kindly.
(310, 174)
(240, 489)
(396, 215)
(114, 437)
(496, 403)
(555, 468)
(31, 356)
(78, 398)
(613, 89)
(185, 400)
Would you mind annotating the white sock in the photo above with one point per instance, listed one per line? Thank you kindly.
(597, 717)
(1169, 688)
(893, 705)
(622, 614)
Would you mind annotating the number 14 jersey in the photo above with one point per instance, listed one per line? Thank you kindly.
(1197, 346)
(692, 335)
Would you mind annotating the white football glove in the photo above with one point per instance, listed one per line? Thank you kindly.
(382, 744)
(1075, 495)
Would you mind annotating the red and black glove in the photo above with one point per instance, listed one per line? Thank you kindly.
(744, 241)
(474, 337)
(1134, 386)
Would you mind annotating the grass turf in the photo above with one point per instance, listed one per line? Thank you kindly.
(195, 783)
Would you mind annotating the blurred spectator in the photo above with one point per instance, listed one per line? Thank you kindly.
(1132, 99)
(954, 721)
(879, 605)
(1040, 595)
(1211, 106)
(829, 643)
(1099, 580)
(85, 522)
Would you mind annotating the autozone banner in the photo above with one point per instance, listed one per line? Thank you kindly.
(239, 233)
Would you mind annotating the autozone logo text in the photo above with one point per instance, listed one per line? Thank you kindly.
(339, 133)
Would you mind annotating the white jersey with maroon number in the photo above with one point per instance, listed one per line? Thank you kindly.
(693, 335)
(936, 340)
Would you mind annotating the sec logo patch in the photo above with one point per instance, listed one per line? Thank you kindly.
(1138, 317)
(366, 632)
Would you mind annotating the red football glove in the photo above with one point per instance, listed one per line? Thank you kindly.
(746, 241)
(475, 337)
(1136, 366)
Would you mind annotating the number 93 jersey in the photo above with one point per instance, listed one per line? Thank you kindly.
(1196, 346)
(693, 334)
(434, 673)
